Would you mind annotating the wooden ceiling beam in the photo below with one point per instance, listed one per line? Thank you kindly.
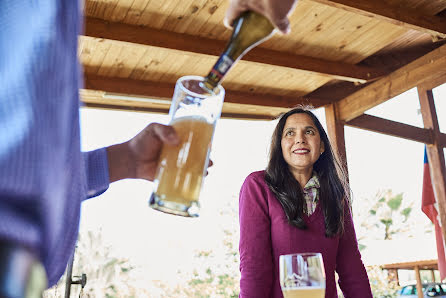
(424, 264)
(165, 91)
(397, 15)
(425, 68)
(136, 108)
(99, 28)
(392, 128)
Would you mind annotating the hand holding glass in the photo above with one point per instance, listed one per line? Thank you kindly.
(302, 275)
(193, 114)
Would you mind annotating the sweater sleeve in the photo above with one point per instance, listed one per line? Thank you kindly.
(96, 167)
(353, 279)
(256, 261)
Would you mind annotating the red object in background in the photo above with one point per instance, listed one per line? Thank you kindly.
(429, 207)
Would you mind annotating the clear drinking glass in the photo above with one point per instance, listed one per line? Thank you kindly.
(193, 113)
(302, 275)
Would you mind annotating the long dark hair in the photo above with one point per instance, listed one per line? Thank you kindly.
(334, 192)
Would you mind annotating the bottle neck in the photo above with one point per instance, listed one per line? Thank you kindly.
(250, 29)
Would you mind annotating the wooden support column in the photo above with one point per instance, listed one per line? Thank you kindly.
(435, 153)
(433, 275)
(419, 286)
(335, 130)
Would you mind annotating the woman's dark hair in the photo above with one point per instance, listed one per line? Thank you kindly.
(334, 192)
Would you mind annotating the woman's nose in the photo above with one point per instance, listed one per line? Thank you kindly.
(299, 139)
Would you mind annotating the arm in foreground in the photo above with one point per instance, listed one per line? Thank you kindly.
(136, 158)
(256, 264)
(353, 279)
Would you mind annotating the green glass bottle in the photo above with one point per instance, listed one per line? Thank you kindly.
(250, 29)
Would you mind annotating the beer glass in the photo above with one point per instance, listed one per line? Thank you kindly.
(193, 113)
(302, 275)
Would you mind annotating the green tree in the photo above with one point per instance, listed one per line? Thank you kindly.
(389, 214)
(216, 273)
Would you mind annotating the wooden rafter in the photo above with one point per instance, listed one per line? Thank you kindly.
(435, 153)
(424, 264)
(165, 90)
(166, 39)
(411, 75)
(392, 128)
(398, 15)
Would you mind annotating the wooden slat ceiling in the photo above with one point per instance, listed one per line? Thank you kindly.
(335, 48)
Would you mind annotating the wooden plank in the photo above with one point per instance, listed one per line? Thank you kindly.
(397, 15)
(434, 82)
(201, 45)
(392, 128)
(335, 130)
(415, 73)
(435, 154)
(165, 90)
(423, 264)
(100, 99)
(419, 285)
(227, 115)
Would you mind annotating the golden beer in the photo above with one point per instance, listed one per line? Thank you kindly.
(304, 292)
(193, 114)
(182, 167)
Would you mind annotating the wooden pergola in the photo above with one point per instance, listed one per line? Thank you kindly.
(345, 55)
(430, 265)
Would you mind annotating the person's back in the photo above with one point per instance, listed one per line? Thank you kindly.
(41, 165)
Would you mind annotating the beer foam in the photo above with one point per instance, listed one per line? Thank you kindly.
(197, 118)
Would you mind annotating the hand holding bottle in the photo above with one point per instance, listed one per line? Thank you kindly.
(276, 11)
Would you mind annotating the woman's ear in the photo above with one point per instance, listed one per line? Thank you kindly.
(322, 147)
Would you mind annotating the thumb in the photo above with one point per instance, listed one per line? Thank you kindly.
(165, 133)
(234, 10)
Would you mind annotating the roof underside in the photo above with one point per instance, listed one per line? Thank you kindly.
(335, 48)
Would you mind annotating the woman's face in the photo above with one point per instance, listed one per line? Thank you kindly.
(301, 143)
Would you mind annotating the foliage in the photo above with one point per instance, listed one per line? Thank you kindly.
(380, 284)
(387, 214)
(211, 277)
(107, 275)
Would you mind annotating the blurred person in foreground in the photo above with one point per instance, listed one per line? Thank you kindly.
(44, 176)
(300, 203)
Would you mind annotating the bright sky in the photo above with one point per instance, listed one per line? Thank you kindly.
(160, 243)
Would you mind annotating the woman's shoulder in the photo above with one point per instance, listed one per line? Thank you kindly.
(258, 176)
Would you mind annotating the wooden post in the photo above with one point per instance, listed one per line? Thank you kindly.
(335, 130)
(419, 285)
(433, 275)
(435, 153)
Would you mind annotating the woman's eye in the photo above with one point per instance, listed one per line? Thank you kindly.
(289, 133)
(310, 132)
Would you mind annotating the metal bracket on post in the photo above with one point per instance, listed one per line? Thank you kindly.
(78, 280)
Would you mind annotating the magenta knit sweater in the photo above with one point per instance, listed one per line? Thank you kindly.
(265, 235)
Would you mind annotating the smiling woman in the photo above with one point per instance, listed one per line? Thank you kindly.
(301, 146)
(299, 204)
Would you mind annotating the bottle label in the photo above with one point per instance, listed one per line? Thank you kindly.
(222, 66)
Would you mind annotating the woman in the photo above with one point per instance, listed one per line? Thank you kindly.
(299, 204)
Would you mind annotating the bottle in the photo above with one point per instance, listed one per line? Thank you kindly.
(250, 29)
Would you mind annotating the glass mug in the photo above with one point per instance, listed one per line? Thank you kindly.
(193, 113)
(302, 275)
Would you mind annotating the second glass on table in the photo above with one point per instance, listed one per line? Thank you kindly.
(193, 113)
(302, 275)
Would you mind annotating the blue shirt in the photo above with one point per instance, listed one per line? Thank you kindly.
(44, 177)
